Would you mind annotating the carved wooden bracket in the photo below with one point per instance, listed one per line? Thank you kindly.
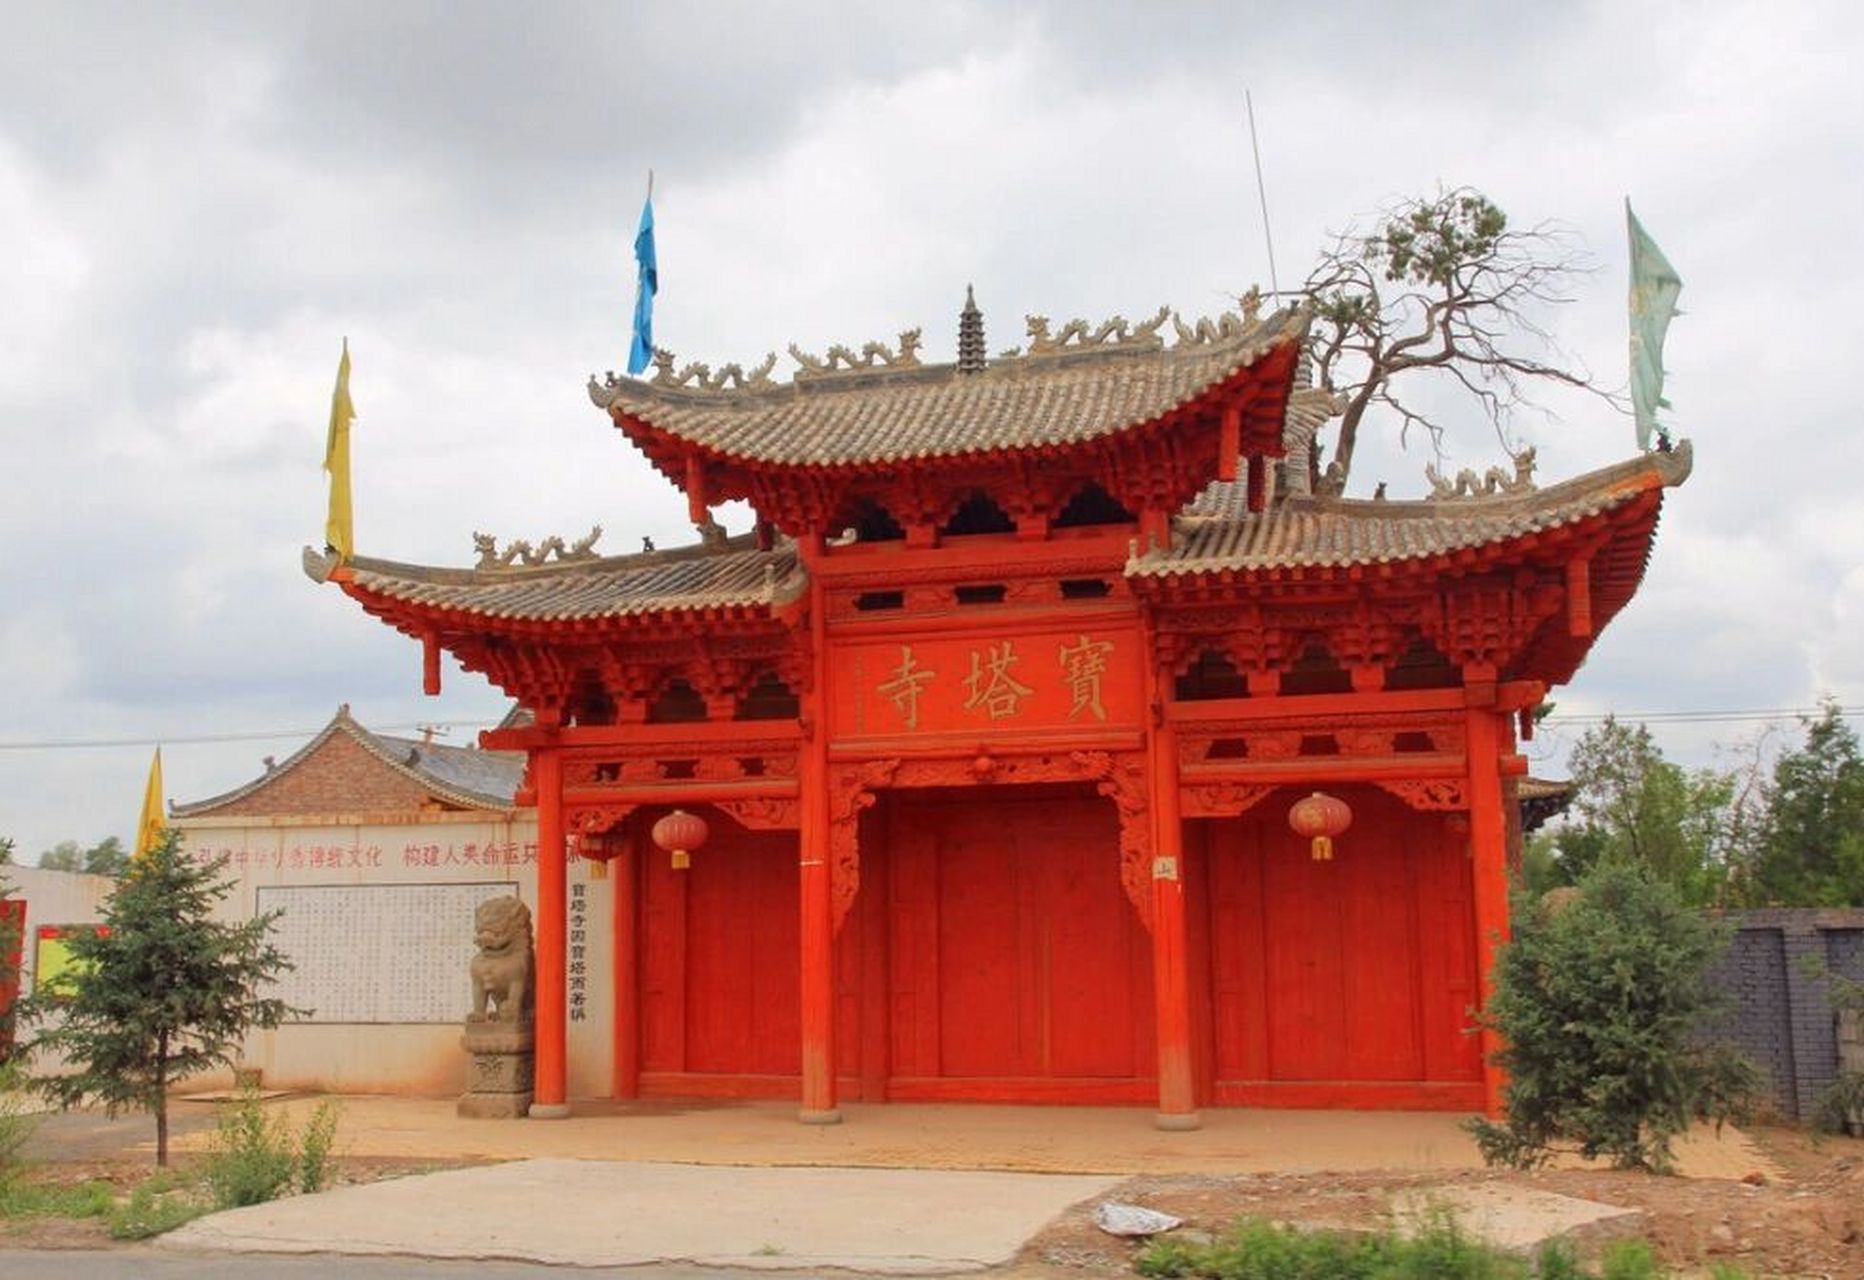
(1436, 795)
(1121, 777)
(1221, 799)
(586, 825)
(762, 814)
(851, 789)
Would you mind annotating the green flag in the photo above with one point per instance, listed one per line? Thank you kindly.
(1654, 287)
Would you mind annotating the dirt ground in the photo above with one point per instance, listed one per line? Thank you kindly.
(1803, 1219)
(1795, 1209)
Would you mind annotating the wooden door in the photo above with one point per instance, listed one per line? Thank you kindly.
(720, 967)
(1018, 968)
(1346, 981)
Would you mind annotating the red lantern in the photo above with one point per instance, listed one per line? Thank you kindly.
(597, 849)
(1320, 817)
(679, 833)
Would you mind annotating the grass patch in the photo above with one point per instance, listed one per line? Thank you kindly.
(159, 1204)
(1441, 1250)
(22, 1197)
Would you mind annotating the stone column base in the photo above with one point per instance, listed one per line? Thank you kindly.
(499, 1074)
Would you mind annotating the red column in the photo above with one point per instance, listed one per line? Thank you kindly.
(1488, 846)
(818, 913)
(1170, 962)
(550, 1100)
(625, 978)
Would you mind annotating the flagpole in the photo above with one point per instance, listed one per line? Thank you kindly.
(1262, 192)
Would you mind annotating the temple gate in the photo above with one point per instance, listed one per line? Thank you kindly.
(997, 717)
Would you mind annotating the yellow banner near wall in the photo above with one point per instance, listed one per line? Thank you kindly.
(149, 829)
(339, 528)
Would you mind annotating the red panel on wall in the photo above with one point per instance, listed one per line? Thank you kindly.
(1354, 971)
(12, 947)
(720, 992)
(1015, 954)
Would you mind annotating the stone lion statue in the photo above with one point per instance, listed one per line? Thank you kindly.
(501, 971)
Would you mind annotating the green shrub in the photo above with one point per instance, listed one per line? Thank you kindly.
(256, 1158)
(1840, 1105)
(314, 1144)
(1599, 1003)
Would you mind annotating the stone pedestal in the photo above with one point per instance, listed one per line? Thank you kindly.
(499, 1073)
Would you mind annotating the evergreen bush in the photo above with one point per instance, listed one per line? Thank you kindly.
(1599, 1000)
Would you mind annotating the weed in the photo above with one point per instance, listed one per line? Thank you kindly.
(251, 1160)
(255, 1158)
(157, 1205)
(17, 1123)
(1629, 1260)
(314, 1144)
(1440, 1250)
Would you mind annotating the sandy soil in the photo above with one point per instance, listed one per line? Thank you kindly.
(1770, 1200)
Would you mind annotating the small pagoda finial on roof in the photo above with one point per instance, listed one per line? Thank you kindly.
(970, 335)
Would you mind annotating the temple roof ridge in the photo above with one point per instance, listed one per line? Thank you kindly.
(1073, 387)
(1217, 532)
(878, 364)
(729, 574)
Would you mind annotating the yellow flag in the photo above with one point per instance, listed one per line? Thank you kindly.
(149, 830)
(339, 533)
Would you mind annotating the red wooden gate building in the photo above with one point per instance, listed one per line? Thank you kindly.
(997, 718)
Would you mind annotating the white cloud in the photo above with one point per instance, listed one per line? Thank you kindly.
(454, 188)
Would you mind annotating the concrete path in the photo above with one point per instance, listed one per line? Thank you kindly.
(599, 1213)
(1516, 1218)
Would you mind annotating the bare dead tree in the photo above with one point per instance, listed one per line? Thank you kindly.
(1439, 284)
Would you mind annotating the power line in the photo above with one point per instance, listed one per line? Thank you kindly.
(256, 735)
(1751, 716)
(1747, 716)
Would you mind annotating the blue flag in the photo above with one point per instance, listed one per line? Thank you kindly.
(641, 350)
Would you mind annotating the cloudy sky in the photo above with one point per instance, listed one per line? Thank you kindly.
(198, 207)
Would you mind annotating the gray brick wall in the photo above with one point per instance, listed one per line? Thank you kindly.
(1779, 1009)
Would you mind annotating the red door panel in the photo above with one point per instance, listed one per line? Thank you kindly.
(1014, 953)
(720, 986)
(1355, 970)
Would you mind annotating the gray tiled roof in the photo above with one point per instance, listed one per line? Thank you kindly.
(848, 418)
(492, 775)
(1217, 531)
(465, 776)
(696, 577)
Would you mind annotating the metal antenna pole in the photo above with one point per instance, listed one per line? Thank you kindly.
(1262, 193)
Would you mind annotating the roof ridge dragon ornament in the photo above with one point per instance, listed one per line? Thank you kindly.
(699, 376)
(1227, 325)
(1078, 335)
(1495, 482)
(874, 355)
(520, 551)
